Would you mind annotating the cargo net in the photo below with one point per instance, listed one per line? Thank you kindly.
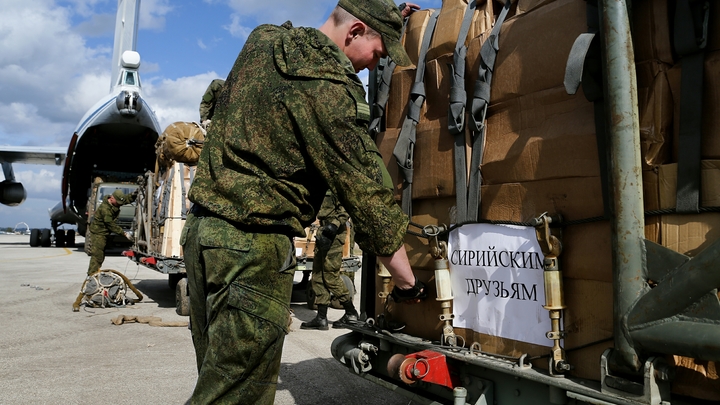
(106, 289)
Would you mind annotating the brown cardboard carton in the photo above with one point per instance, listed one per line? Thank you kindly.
(448, 27)
(438, 79)
(534, 48)
(524, 6)
(711, 105)
(449, 21)
(544, 135)
(651, 30)
(433, 161)
(396, 108)
(709, 184)
(575, 198)
(696, 378)
(656, 113)
(414, 33)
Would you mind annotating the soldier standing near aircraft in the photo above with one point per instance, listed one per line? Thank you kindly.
(209, 99)
(327, 262)
(103, 223)
(290, 124)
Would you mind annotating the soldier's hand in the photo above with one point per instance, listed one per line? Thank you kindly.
(409, 296)
(129, 236)
(408, 8)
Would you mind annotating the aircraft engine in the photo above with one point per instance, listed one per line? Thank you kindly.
(128, 103)
(12, 193)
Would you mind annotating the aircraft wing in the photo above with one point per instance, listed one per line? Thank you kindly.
(38, 155)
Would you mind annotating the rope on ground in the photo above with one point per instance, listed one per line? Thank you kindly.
(150, 320)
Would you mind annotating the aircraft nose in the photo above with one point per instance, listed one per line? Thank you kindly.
(128, 103)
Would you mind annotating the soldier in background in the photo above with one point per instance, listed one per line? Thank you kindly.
(207, 105)
(326, 279)
(103, 223)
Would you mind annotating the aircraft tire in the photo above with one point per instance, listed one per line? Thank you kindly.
(70, 238)
(34, 238)
(45, 240)
(182, 299)
(60, 238)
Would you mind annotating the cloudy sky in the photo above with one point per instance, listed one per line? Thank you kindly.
(55, 64)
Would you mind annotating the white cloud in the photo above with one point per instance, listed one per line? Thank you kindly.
(179, 99)
(43, 182)
(152, 13)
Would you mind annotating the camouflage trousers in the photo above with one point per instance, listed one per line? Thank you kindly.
(97, 251)
(240, 285)
(326, 279)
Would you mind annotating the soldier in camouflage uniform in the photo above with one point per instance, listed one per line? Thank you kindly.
(209, 99)
(290, 124)
(103, 223)
(326, 281)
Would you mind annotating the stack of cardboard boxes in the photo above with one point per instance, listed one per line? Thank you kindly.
(541, 155)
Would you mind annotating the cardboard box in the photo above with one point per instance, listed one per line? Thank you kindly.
(709, 184)
(534, 48)
(414, 33)
(696, 378)
(544, 135)
(574, 198)
(433, 160)
(651, 22)
(396, 109)
(711, 105)
(438, 81)
(655, 107)
(449, 21)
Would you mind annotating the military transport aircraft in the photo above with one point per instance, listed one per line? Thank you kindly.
(12, 192)
(115, 140)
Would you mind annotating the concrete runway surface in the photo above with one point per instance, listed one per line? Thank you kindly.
(51, 355)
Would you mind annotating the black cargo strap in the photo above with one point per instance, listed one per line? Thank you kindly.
(478, 113)
(691, 23)
(584, 65)
(380, 100)
(456, 111)
(404, 148)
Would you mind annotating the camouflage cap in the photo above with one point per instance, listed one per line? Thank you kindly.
(120, 197)
(384, 17)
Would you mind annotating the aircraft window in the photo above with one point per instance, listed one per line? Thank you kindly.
(130, 79)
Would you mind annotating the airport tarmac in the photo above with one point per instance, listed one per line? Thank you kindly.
(51, 355)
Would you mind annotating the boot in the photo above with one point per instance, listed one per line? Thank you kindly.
(320, 322)
(351, 316)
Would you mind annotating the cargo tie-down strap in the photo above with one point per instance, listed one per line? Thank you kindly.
(383, 92)
(404, 148)
(691, 24)
(456, 112)
(468, 195)
(584, 65)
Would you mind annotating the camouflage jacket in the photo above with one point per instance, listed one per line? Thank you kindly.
(292, 124)
(103, 221)
(207, 105)
(331, 212)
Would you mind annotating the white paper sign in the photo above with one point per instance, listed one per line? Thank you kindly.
(497, 282)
